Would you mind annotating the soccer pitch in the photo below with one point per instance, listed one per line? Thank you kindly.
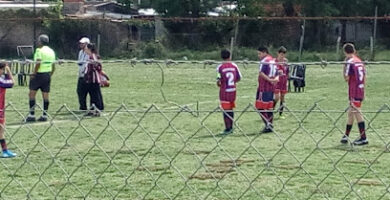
(143, 147)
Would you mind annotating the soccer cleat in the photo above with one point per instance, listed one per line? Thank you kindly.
(344, 139)
(282, 117)
(227, 131)
(43, 118)
(30, 118)
(89, 113)
(8, 154)
(267, 130)
(360, 141)
(96, 114)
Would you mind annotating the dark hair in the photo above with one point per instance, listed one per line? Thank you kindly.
(225, 54)
(262, 49)
(43, 39)
(349, 48)
(282, 49)
(92, 47)
(2, 65)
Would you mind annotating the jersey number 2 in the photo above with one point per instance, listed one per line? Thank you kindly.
(230, 77)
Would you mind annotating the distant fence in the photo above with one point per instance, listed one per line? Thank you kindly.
(318, 34)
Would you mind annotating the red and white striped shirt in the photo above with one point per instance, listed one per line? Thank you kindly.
(267, 67)
(356, 72)
(229, 75)
(93, 70)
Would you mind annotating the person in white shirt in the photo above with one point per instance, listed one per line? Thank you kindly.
(81, 84)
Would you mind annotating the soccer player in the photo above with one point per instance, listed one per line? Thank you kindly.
(281, 86)
(355, 75)
(228, 75)
(6, 81)
(40, 78)
(267, 79)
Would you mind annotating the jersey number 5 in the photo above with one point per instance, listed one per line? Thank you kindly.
(361, 73)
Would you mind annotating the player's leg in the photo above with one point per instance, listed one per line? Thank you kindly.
(45, 88)
(228, 116)
(6, 152)
(260, 106)
(31, 96)
(46, 102)
(268, 98)
(276, 97)
(266, 107)
(348, 128)
(361, 124)
(281, 107)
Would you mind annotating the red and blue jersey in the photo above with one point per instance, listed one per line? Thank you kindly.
(5, 82)
(228, 74)
(283, 71)
(356, 72)
(267, 67)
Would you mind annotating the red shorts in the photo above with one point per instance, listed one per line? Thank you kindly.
(277, 91)
(261, 105)
(227, 105)
(356, 103)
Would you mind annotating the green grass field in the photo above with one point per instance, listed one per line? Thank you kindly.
(139, 151)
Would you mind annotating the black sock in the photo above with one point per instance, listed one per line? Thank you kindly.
(362, 130)
(45, 106)
(263, 116)
(231, 114)
(270, 117)
(32, 106)
(3, 144)
(228, 119)
(281, 108)
(348, 129)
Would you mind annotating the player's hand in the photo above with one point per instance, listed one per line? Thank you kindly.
(219, 83)
(32, 76)
(7, 69)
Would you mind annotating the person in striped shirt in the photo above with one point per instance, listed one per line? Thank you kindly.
(355, 75)
(267, 80)
(6, 81)
(92, 78)
(228, 75)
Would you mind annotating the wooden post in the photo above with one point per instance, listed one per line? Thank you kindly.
(374, 34)
(302, 39)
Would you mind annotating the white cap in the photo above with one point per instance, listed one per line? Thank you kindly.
(85, 40)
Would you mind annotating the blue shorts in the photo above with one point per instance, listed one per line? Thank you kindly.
(264, 100)
(264, 96)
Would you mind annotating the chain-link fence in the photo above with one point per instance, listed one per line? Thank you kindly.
(157, 153)
(173, 149)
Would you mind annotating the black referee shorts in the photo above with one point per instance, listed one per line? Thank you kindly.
(40, 81)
